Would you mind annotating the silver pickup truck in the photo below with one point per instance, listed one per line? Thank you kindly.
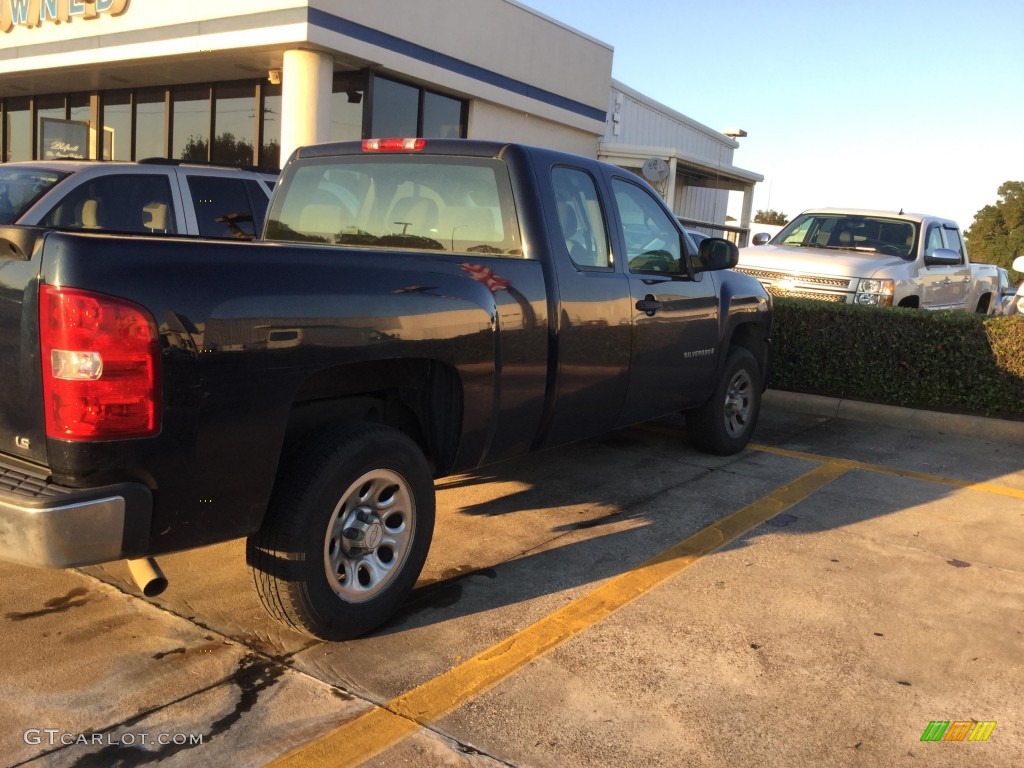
(873, 258)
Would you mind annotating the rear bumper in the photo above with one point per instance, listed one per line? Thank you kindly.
(50, 526)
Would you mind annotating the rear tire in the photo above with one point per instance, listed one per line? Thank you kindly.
(725, 423)
(347, 532)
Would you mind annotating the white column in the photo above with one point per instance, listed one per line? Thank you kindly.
(670, 190)
(748, 205)
(305, 100)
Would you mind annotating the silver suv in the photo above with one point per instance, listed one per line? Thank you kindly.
(148, 197)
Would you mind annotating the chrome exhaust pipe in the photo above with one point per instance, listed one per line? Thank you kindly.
(148, 576)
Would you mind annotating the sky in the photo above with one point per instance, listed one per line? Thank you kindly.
(887, 104)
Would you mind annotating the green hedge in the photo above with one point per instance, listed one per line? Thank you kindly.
(944, 361)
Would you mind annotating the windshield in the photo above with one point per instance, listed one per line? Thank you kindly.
(851, 232)
(459, 204)
(21, 187)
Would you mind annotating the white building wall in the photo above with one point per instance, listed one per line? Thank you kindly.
(497, 35)
(499, 123)
(701, 204)
(499, 54)
(643, 123)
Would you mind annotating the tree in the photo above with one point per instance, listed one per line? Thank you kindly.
(226, 149)
(997, 234)
(770, 217)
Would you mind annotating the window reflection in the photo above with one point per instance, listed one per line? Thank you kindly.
(134, 124)
(442, 116)
(403, 110)
(270, 152)
(150, 121)
(234, 122)
(19, 130)
(347, 108)
(395, 108)
(48, 108)
(190, 137)
(117, 126)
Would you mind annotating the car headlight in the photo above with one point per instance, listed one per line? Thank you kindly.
(875, 293)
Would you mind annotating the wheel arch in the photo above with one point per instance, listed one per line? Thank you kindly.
(421, 397)
(754, 337)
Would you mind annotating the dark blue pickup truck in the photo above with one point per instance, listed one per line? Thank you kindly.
(415, 308)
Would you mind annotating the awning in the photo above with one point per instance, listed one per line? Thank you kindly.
(696, 171)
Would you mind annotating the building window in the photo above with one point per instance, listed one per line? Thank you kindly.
(234, 120)
(243, 119)
(443, 116)
(48, 108)
(270, 127)
(396, 108)
(190, 123)
(18, 130)
(79, 108)
(347, 106)
(150, 124)
(117, 126)
(400, 109)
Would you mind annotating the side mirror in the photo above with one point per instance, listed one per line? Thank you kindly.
(942, 257)
(1018, 264)
(716, 253)
(761, 238)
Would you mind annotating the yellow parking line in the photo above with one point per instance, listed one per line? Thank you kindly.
(1001, 490)
(375, 731)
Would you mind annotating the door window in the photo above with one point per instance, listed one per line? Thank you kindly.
(953, 241)
(223, 207)
(580, 218)
(119, 203)
(652, 242)
(934, 240)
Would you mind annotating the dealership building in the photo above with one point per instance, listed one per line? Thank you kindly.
(249, 82)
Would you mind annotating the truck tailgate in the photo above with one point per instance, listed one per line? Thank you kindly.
(22, 430)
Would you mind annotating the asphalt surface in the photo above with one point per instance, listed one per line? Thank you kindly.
(818, 600)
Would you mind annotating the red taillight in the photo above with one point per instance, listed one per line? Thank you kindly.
(100, 360)
(393, 145)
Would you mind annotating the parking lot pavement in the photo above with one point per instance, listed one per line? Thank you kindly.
(818, 600)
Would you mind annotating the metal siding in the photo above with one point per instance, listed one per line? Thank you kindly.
(642, 125)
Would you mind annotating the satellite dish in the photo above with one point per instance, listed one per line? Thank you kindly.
(655, 169)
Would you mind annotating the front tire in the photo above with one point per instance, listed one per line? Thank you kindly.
(347, 532)
(725, 423)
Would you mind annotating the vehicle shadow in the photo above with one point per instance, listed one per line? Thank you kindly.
(611, 503)
(517, 541)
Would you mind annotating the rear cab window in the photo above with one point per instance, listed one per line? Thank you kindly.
(430, 202)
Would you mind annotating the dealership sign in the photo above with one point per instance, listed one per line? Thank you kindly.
(35, 13)
(63, 139)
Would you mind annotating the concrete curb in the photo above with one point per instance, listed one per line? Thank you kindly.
(982, 427)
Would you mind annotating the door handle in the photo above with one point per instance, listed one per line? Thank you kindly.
(649, 304)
